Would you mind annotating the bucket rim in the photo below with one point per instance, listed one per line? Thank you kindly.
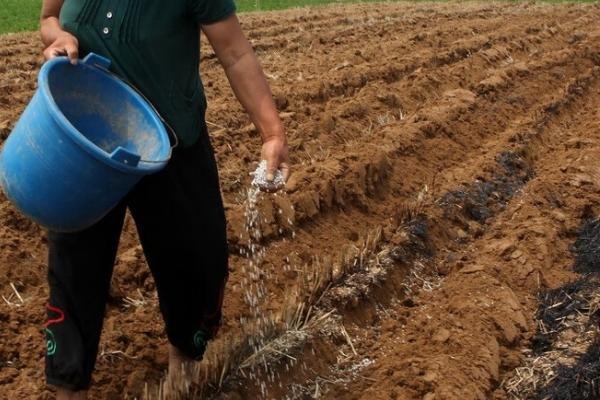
(144, 167)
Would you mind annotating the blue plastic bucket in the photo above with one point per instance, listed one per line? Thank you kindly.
(85, 139)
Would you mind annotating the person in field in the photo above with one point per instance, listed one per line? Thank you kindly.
(155, 46)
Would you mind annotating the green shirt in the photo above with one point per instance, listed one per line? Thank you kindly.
(153, 44)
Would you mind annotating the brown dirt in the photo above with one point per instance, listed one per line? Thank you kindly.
(444, 156)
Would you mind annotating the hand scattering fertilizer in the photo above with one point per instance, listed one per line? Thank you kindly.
(85, 139)
(260, 178)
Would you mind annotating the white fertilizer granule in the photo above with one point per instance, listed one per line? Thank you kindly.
(260, 178)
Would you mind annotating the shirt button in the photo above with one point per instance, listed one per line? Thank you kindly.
(105, 30)
(109, 15)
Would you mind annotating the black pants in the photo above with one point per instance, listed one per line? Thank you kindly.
(181, 223)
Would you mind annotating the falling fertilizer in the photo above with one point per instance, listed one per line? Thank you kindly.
(254, 276)
(254, 287)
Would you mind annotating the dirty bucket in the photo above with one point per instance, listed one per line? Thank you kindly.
(85, 139)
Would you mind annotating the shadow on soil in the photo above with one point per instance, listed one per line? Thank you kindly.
(581, 380)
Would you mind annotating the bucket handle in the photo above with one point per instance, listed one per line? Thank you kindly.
(103, 63)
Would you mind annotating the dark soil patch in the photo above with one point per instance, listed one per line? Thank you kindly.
(485, 197)
(578, 382)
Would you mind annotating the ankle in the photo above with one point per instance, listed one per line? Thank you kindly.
(65, 394)
(179, 362)
(181, 373)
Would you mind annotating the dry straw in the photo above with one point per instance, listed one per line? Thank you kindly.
(266, 341)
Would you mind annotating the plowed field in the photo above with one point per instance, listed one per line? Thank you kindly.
(444, 158)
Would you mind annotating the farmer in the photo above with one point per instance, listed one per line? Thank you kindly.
(154, 45)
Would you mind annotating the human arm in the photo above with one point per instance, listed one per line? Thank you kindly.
(57, 42)
(250, 86)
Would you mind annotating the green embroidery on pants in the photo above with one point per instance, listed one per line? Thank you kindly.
(200, 340)
(50, 342)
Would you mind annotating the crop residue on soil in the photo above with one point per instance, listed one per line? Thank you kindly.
(444, 157)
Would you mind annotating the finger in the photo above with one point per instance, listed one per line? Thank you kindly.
(285, 170)
(271, 168)
(50, 53)
(72, 53)
(54, 52)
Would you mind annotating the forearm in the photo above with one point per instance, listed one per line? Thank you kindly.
(50, 28)
(245, 75)
(252, 90)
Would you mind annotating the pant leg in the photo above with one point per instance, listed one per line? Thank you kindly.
(181, 223)
(79, 275)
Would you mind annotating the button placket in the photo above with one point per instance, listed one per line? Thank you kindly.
(107, 23)
(111, 15)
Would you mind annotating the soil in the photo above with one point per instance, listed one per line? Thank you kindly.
(444, 157)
